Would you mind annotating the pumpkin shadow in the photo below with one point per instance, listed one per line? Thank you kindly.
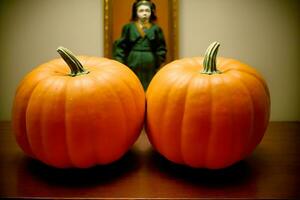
(74, 177)
(238, 174)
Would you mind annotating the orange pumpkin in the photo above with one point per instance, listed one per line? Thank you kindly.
(89, 116)
(206, 113)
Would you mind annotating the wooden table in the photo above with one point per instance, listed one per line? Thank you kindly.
(272, 171)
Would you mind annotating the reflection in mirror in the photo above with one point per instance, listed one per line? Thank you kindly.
(119, 13)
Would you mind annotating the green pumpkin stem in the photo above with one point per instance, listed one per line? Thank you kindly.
(75, 66)
(210, 59)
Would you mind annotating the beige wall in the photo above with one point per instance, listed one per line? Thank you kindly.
(262, 33)
(31, 31)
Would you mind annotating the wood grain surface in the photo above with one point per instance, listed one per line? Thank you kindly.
(272, 171)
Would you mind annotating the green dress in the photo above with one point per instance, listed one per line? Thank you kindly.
(143, 51)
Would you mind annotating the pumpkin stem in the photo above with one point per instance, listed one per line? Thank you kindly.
(75, 66)
(209, 62)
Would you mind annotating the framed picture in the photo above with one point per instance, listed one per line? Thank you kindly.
(117, 13)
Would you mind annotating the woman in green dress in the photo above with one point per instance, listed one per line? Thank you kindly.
(142, 46)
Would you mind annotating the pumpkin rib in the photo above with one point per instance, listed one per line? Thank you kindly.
(65, 138)
(67, 134)
(266, 113)
(238, 135)
(253, 73)
(236, 151)
(109, 87)
(164, 136)
(210, 138)
(132, 92)
(28, 117)
(247, 89)
(159, 138)
(122, 105)
(108, 66)
(249, 136)
(125, 116)
(210, 156)
(161, 146)
(21, 135)
(120, 80)
(205, 159)
(232, 132)
(89, 98)
(75, 127)
(248, 147)
(230, 155)
(62, 157)
(186, 95)
(92, 135)
(56, 152)
(136, 102)
(234, 155)
(132, 95)
(230, 64)
(66, 129)
(260, 80)
(252, 112)
(96, 82)
(159, 118)
(223, 120)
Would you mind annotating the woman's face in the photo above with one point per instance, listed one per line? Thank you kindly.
(144, 12)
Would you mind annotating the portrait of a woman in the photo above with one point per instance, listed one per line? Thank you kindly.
(142, 45)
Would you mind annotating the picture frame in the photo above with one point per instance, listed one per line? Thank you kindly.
(118, 12)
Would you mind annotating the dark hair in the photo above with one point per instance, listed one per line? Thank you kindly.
(137, 3)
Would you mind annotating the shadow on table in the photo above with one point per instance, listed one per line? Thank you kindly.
(100, 174)
(237, 174)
